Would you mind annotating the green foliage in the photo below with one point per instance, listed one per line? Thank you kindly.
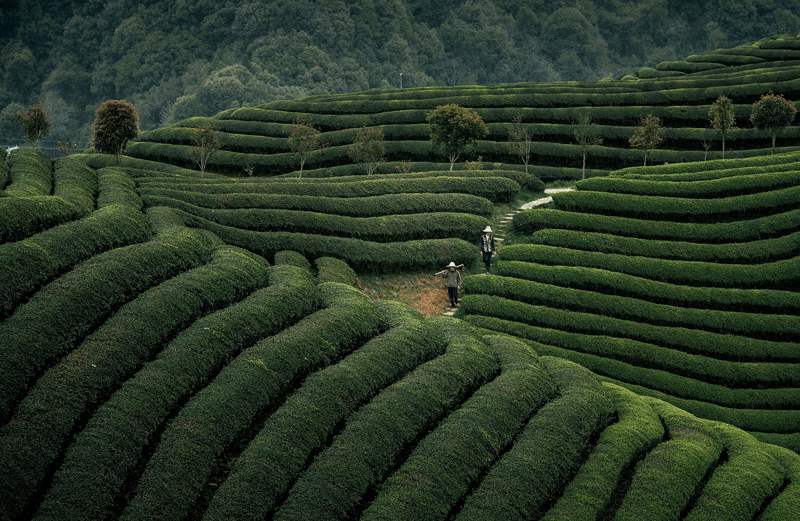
(454, 129)
(35, 124)
(586, 134)
(116, 122)
(30, 174)
(205, 144)
(304, 140)
(367, 149)
(648, 136)
(772, 112)
(721, 117)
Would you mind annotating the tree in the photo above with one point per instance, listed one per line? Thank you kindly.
(520, 140)
(722, 118)
(116, 122)
(772, 112)
(368, 149)
(206, 143)
(34, 123)
(454, 129)
(648, 136)
(587, 134)
(304, 140)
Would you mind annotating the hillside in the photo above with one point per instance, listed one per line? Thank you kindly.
(182, 345)
(680, 93)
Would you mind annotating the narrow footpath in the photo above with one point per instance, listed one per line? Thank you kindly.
(503, 224)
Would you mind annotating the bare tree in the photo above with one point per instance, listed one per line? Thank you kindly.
(304, 140)
(587, 134)
(520, 140)
(206, 143)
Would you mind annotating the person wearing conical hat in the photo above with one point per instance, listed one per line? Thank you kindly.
(488, 248)
(453, 278)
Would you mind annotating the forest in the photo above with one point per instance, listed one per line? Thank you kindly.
(183, 58)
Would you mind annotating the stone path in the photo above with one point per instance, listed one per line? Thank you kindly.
(508, 218)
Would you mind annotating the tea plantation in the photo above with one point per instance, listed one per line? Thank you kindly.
(181, 345)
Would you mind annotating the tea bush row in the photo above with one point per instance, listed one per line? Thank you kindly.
(117, 187)
(751, 252)
(714, 169)
(33, 439)
(450, 460)
(22, 217)
(361, 255)
(106, 454)
(781, 274)
(707, 189)
(75, 182)
(495, 189)
(315, 413)
(612, 283)
(679, 209)
(523, 486)
(331, 269)
(26, 265)
(30, 173)
(59, 316)
(784, 223)
(690, 341)
(636, 431)
(383, 229)
(254, 381)
(755, 325)
(371, 206)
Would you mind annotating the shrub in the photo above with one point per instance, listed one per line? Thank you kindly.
(35, 436)
(330, 269)
(108, 449)
(117, 187)
(75, 182)
(30, 172)
(22, 217)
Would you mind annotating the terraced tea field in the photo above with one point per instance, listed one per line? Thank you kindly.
(178, 345)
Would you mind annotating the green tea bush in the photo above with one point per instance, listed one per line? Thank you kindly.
(31, 173)
(41, 425)
(60, 315)
(612, 283)
(75, 182)
(22, 217)
(692, 450)
(637, 430)
(26, 265)
(275, 458)
(108, 449)
(330, 269)
(687, 67)
(292, 258)
(706, 189)
(710, 168)
(356, 253)
(4, 170)
(679, 209)
(495, 189)
(724, 59)
(781, 274)
(774, 225)
(755, 325)
(751, 252)
(548, 452)
(373, 206)
(785, 504)
(255, 380)
(117, 187)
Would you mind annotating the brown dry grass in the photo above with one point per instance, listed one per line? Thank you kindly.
(420, 290)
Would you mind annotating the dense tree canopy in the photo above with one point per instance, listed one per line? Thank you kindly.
(191, 58)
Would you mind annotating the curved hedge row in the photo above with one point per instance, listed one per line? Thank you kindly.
(383, 229)
(751, 252)
(679, 209)
(258, 378)
(330, 269)
(772, 327)
(713, 169)
(774, 225)
(58, 316)
(51, 411)
(28, 264)
(443, 467)
(103, 455)
(356, 253)
(702, 189)
(374, 206)
(495, 189)
(275, 458)
(782, 274)
(521, 487)
(75, 182)
(30, 173)
(614, 283)
(22, 217)
(117, 187)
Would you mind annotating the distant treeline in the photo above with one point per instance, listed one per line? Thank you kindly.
(183, 58)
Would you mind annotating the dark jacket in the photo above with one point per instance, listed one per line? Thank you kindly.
(453, 278)
(487, 243)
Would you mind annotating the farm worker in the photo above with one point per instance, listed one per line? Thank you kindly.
(487, 247)
(453, 278)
